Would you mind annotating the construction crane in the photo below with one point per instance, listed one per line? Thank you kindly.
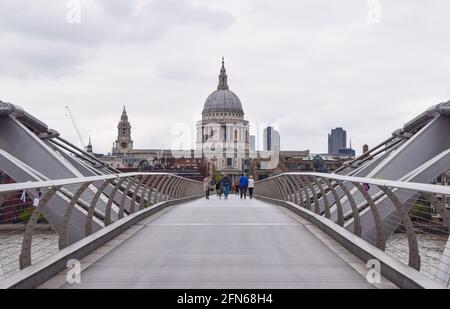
(83, 145)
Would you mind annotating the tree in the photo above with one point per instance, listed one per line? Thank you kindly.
(420, 212)
(216, 175)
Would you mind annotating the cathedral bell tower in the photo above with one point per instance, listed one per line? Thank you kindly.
(123, 144)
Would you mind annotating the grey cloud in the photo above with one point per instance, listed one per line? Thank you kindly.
(150, 19)
(40, 58)
(119, 8)
(46, 20)
(178, 69)
(102, 22)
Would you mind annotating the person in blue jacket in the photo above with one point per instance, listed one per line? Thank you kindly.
(243, 185)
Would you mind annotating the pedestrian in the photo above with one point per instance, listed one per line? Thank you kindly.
(251, 186)
(219, 188)
(226, 185)
(207, 186)
(366, 187)
(243, 185)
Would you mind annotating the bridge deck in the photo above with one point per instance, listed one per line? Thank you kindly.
(222, 244)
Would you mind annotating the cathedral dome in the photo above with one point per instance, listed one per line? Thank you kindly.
(223, 100)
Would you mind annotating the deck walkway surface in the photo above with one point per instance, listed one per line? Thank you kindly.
(222, 244)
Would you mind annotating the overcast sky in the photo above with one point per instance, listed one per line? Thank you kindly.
(308, 65)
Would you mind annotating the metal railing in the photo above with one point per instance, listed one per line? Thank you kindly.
(409, 221)
(26, 236)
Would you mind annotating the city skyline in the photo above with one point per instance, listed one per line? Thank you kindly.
(257, 142)
(338, 69)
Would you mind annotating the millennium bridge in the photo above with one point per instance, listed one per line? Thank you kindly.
(378, 222)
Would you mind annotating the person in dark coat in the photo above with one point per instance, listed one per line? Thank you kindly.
(226, 185)
(219, 188)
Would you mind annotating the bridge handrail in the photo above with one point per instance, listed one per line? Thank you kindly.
(429, 188)
(78, 207)
(4, 188)
(376, 210)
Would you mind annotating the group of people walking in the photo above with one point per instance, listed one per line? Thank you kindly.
(246, 184)
(224, 186)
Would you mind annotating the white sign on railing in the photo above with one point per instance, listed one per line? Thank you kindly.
(23, 197)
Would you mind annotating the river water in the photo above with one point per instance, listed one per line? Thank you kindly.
(431, 248)
(45, 243)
